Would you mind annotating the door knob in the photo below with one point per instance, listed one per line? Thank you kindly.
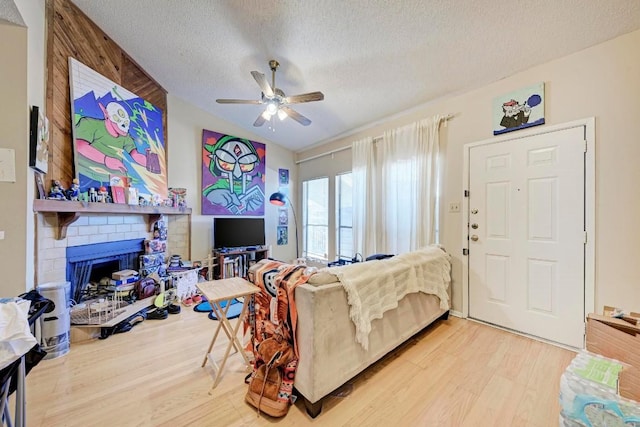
(474, 226)
(474, 238)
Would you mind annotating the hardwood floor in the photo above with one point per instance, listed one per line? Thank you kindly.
(456, 372)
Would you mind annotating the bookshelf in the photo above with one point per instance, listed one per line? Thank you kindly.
(236, 263)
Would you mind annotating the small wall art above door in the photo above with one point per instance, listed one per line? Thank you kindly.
(519, 109)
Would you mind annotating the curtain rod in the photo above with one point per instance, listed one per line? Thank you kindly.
(348, 147)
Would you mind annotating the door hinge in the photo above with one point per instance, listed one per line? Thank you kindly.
(466, 193)
(465, 251)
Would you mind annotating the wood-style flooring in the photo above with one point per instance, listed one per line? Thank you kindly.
(454, 373)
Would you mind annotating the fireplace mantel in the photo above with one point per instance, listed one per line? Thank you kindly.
(68, 212)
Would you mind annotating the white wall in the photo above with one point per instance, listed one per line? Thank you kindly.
(185, 125)
(602, 82)
(19, 51)
(33, 14)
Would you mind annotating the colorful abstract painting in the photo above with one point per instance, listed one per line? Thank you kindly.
(118, 136)
(519, 109)
(232, 175)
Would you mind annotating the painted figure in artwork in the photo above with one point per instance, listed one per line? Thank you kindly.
(234, 160)
(101, 144)
(515, 114)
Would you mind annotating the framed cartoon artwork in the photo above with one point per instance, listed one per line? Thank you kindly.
(283, 176)
(282, 235)
(118, 194)
(233, 175)
(116, 133)
(519, 109)
(283, 216)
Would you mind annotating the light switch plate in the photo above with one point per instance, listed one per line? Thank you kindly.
(1, 234)
(454, 207)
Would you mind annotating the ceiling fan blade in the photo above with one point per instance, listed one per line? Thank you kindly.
(305, 97)
(296, 116)
(263, 83)
(259, 121)
(238, 101)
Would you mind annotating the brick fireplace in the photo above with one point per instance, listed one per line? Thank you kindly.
(104, 258)
(88, 229)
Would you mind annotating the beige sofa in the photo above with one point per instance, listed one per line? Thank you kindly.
(329, 353)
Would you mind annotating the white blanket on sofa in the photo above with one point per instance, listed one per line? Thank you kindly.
(374, 287)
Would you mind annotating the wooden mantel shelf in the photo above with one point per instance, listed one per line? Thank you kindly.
(68, 212)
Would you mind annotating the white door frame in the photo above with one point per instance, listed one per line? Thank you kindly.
(589, 205)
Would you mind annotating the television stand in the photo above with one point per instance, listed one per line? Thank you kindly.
(235, 262)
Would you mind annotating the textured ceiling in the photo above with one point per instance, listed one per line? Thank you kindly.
(9, 13)
(371, 59)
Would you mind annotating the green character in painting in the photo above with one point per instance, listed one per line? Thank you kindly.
(101, 143)
(232, 160)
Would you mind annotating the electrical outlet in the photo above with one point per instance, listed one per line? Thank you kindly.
(454, 207)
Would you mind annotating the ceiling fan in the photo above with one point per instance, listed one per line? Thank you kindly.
(277, 103)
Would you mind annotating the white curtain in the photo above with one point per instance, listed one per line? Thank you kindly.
(405, 177)
(364, 196)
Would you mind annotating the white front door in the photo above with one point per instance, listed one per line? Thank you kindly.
(527, 235)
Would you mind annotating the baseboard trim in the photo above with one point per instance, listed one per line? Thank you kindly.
(456, 313)
(522, 334)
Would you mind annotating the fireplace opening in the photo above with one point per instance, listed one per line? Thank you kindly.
(87, 263)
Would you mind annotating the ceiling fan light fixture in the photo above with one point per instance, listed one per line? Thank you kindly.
(266, 115)
(272, 108)
(282, 114)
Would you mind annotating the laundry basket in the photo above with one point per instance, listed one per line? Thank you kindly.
(56, 325)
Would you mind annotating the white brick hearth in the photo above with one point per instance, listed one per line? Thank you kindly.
(98, 228)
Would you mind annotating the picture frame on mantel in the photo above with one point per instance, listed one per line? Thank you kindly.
(38, 141)
(42, 194)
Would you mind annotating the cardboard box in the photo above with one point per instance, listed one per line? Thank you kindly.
(620, 340)
(123, 274)
(126, 280)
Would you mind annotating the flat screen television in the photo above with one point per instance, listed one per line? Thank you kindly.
(238, 232)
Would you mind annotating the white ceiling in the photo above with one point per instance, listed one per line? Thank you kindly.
(371, 58)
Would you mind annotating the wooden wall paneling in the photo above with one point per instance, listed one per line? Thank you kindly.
(70, 33)
(49, 87)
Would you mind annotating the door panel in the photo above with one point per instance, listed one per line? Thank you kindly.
(526, 267)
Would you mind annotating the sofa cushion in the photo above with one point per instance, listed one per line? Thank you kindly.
(322, 278)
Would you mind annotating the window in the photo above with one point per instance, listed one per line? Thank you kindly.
(344, 224)
(315, 222)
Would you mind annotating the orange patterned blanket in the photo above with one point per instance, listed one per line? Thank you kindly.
(273, 312)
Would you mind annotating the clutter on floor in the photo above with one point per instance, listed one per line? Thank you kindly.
(601, 386)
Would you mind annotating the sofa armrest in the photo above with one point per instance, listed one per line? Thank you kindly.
(318, 308)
